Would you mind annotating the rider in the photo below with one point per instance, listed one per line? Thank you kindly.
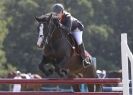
(71, 24)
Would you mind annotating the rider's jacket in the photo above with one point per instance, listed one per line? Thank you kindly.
(69, 23)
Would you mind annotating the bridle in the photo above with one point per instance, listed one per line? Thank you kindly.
(50, 34)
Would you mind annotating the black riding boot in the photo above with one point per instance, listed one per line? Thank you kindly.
(86, 59)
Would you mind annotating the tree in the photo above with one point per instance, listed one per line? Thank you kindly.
(104, 21)
(4, 22)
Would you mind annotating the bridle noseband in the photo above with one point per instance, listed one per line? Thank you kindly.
(50, 34)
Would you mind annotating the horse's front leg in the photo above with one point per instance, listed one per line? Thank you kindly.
(45, 66)
(60, 67)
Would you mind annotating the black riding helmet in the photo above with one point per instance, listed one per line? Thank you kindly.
(57, 8)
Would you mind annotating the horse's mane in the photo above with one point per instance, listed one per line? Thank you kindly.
(46, 16)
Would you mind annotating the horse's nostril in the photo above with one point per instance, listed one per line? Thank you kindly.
(40, 46)
(40, 35)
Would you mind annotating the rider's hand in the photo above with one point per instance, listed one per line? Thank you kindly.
(56, 22)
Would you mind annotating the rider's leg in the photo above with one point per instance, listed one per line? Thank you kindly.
(77, 33)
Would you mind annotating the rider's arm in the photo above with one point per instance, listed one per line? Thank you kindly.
(67, 25)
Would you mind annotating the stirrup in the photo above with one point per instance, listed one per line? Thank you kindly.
(86, 62)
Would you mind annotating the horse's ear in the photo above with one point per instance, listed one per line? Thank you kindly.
(49, 17)
(40, 18)
(37, 19)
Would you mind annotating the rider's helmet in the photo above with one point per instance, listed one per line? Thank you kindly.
(57, 8)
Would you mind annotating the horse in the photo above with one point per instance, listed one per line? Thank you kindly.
(26, 87)
(60, 53)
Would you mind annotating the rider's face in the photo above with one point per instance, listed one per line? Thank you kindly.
(60, 15)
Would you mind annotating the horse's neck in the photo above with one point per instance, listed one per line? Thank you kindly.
(58, 44)
(58, 38)
(57, 35)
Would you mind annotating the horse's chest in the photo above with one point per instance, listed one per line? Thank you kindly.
(53, 49)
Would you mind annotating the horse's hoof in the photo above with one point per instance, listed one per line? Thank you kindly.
(49, 72)
(63, 73)
(66, 71)
(80, 75)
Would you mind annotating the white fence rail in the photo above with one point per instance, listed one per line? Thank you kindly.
(126, 55)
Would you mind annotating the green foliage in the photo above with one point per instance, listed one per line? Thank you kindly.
(104, 21)
(102, 31)
(106, 64)
(3, 33)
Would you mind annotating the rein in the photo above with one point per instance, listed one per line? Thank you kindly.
(50, 34)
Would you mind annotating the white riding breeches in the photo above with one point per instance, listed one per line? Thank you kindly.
(77, 33)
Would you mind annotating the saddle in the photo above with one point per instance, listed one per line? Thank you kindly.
(74, 45)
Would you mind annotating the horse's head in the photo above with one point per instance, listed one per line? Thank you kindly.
(45, 28)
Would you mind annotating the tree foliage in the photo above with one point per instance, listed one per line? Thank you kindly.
(104, 21)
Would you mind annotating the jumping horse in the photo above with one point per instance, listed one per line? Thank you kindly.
(59, 52)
